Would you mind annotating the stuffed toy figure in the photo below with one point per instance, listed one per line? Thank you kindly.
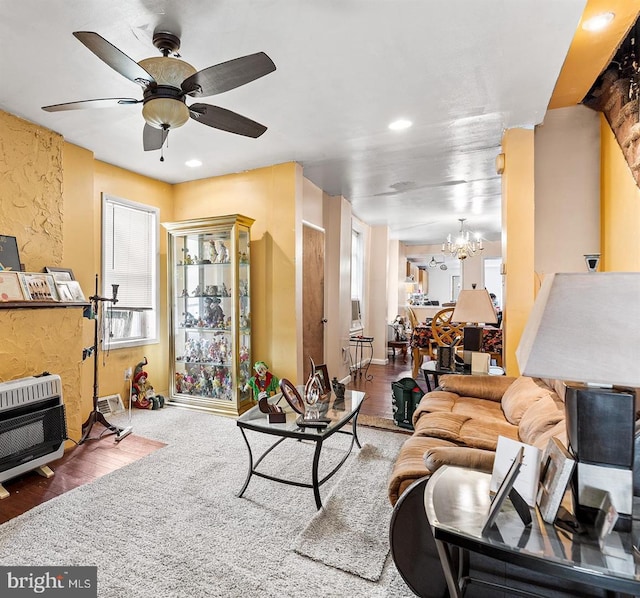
(142, 393)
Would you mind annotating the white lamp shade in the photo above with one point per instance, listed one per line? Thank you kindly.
(584, 328)
(474, 306)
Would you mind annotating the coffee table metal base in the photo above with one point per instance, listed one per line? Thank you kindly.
(316, 482)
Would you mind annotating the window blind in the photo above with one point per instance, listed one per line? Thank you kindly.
(129, 252)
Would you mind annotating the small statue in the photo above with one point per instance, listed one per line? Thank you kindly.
(338, 388)
(213, 253)
(223, 253)
(142, 393)
(264, 383)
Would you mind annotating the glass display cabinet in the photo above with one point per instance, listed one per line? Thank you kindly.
(210, 313)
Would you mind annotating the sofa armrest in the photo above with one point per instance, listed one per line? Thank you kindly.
(460, 456)
(483, 387)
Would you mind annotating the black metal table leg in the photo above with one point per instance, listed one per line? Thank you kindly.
(250, 472)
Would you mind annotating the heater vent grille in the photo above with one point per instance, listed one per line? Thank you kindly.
(110, 404)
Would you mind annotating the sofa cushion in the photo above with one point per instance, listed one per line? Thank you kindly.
(483, 387)
(449, 402)
(464, 430)
(558, 431)
(460, 456)
(543, 415)
(409, 465)
(436, 400)
(523, 393)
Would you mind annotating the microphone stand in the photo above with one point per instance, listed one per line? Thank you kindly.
(95, 416)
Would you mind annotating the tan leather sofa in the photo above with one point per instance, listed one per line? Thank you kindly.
(459, 424)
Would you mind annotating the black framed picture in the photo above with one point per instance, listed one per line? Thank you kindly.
(60, 274)
(9, 257)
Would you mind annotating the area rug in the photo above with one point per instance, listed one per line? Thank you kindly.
(350, 532)
(374, 421)
(171, 524)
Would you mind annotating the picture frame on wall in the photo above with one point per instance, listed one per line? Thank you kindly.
(10, 286)
(60, 274)
(38, 287)
(9, 257)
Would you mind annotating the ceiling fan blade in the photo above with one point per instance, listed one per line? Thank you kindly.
(115, 58)
(152, 138)
(228, 75)
(97, 103)
(226, 120)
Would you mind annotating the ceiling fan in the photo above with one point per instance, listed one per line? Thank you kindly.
(433, 263)
(166, 81)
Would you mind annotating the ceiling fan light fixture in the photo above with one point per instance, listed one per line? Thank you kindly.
(165, 113)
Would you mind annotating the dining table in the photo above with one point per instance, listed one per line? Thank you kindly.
(422, 336)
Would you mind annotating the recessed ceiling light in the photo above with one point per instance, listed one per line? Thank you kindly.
(401, 123)
(598, 22)
(193, 163)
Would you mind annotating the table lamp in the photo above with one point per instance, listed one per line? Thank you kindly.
(472, 307)
(585, 328)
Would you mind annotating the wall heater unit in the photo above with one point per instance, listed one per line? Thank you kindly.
(32, 426)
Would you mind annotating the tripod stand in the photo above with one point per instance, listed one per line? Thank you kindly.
(95, 416)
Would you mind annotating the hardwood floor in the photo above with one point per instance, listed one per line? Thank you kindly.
(83, 464)
(378, 389)
(79, 465)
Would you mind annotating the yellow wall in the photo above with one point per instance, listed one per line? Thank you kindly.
(620, 204)
(267, 195)
(134, 187)
(518, 203)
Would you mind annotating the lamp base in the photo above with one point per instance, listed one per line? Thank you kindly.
(600, 430)
(471, 342)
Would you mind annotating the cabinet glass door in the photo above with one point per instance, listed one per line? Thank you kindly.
(211, 313)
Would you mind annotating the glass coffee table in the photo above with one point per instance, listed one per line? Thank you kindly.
(339, 412)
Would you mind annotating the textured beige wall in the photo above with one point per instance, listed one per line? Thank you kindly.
(31, 209)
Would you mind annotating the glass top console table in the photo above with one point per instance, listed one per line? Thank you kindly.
(339, 412)
(456, 503)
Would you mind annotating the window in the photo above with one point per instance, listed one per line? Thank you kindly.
(130, 260)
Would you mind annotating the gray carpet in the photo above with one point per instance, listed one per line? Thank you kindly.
(351, 532)
(170, 525)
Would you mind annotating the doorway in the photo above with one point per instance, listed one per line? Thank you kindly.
(313, 319)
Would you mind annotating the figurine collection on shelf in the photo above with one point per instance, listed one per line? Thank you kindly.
(217, 253)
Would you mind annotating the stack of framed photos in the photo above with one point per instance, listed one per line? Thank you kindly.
(55, 285)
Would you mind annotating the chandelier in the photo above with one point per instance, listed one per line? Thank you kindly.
(463, 245)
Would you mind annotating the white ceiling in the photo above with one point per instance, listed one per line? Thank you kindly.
(461, 70)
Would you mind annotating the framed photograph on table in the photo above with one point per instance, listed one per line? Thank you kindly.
(60, 273)
(557, 467)
(10, 286)
(503, 491)
(323, 375)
